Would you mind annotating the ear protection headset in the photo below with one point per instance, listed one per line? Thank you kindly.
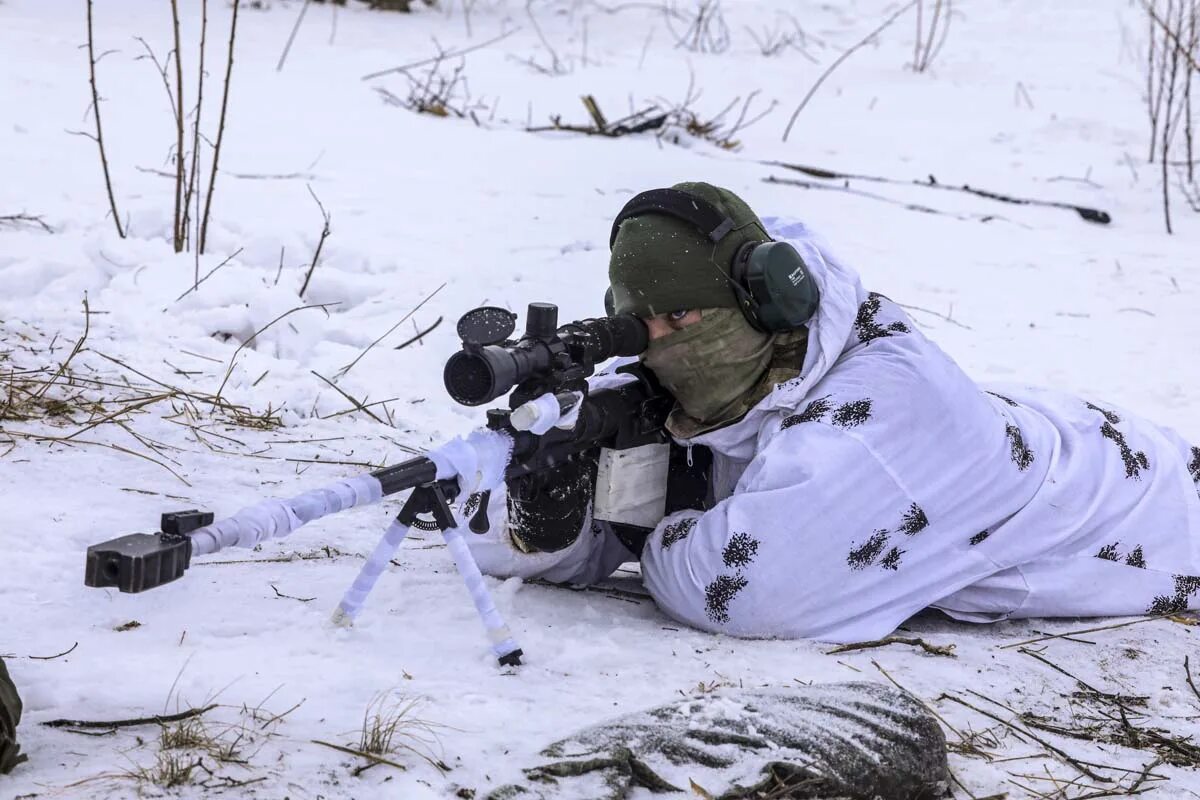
(770, 280)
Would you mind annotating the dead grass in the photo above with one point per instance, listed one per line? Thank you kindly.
(51, 395)
(393, 723)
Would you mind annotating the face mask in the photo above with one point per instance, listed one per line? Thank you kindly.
(711, 365)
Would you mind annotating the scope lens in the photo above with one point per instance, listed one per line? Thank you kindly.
(469, 379)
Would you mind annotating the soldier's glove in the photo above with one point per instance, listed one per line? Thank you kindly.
(547, 509)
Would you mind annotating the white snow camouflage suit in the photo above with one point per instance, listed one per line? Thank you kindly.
(883, 481)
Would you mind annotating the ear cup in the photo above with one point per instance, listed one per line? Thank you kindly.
(778, 280)
(610, 305)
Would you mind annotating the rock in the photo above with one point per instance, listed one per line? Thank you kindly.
(859, 741)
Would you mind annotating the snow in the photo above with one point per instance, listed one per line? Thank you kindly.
(456, 214)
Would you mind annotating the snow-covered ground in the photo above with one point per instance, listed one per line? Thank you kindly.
(1030, 98)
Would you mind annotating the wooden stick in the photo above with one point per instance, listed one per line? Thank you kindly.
(129, 723)
(1089, 214)
(1188, 670)
(195, 170)
(292, 36)
(936, 650)
(212, 181)
(357, 404)
(1084, 630)
(112, 201)
(320, 242)
(179, 180)
(419, 336)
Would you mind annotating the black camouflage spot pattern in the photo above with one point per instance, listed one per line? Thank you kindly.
(868, 328)
(678, 531)
(812, 413)
(852, 414)
(1111, 416)
(1022, 456)
(865, 554)
(1185, 587)
(915, 520)
(718, 595)
(1007, 400)
(979, 537)
(1194, 466)
(1135, 462)
(892, 559)
(1136, 558)
(472, 504)
(740, 550)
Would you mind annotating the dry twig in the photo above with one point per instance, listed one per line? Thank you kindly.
(838, 62)
(129, 723)
(212, 181)
(932, 649)
(99, 137)
(320, 242)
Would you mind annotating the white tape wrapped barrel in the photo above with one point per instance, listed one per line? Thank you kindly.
(274, 519)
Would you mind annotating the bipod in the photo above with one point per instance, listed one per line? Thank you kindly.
(433, 498)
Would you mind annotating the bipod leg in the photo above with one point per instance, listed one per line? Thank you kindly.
(421, 500)
(507, 651)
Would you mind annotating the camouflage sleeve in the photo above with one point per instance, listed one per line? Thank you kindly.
(10, 715)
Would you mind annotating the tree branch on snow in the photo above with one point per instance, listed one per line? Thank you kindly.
(843, 178)
(25, 219)
(932, 649)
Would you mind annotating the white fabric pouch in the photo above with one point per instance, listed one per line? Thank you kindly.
(631, 485)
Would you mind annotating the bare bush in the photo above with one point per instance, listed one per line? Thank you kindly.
(439, 89)
(787, 34)
(721, 128)
(187, 231)
(1173, 50)
(704, 28)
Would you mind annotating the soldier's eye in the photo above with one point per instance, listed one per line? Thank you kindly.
(676, 316)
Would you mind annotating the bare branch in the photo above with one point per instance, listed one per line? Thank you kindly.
(212, 181)
(112, 201)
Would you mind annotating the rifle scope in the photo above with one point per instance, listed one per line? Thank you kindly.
(489, 365)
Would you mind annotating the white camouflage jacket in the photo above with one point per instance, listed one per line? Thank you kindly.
(883, 481)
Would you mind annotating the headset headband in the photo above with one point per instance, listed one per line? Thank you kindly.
(697, 211)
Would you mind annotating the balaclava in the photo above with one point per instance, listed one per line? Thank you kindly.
(715, 367)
